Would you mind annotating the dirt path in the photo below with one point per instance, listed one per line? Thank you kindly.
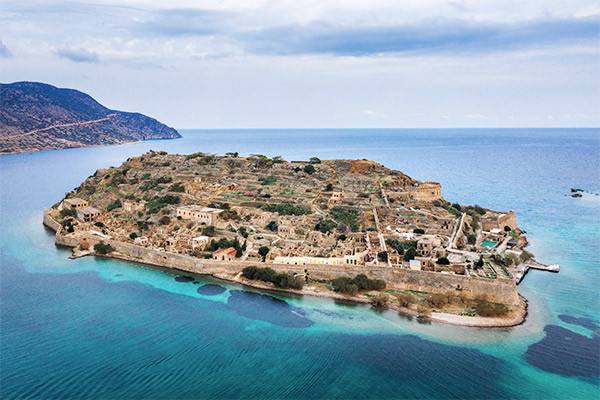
(109, 116)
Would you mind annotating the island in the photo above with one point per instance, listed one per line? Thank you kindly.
(35, 116)
(347, 229)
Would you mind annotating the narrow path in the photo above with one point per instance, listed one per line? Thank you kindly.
(61, 126)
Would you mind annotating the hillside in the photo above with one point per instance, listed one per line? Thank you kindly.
(36, 116)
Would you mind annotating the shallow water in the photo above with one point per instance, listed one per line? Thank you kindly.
(109, 329)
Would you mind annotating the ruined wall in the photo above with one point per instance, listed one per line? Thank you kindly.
(426, 191)
(50, 222)
(499, 290)
(499, 220)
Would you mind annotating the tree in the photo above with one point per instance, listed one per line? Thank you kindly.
(325, 225)
(382, 256)
(410, 254)
(133, 235)
(272, 226)
(309, 169)
(103, 248)
(472, 239)
(443, 261)
(315, 160)
(329, 187)
(263, 251)
(419, 231)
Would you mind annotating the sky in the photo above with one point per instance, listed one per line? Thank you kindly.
(316, 64)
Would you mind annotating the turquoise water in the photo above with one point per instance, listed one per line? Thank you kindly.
(92, 328)
(488, 243)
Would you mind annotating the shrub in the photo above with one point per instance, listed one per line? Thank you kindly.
(438, 299)
(382, 256)
(286, 209)
(380, 300)
(405, 299)
(269, 275)
(443, 261)
(177, 187)
(472, 239)
(309, 169)
(488, 309)
(329, 187)
(346, 215)
(272, 226)
(315, 160)
(325, 225)
(133, 235)
(419, 231)
(164, 220)
(99, 224)
(103, 248)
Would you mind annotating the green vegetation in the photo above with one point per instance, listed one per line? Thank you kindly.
(309, 169)
(133, 235)
(401, 247)
(286, 209)
(410, 254)
(382, 256)
(225, 243)
(113, 205)
(263, 251)
(451, 209)
(270, 275)
(177, 187)
(346, 215)
(419, 231)
(67, 212)
(267, 181)
(155, 204)
(272, 226)
(351, 286)
(325, 225)
(443, 261)
(315, 160)
(472, 239)
(103, 248)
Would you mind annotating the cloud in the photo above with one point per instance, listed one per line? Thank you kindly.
(431, 36)
(77, 55)
(186, 21)
(4, 51)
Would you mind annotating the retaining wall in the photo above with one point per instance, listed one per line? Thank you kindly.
(498, 290)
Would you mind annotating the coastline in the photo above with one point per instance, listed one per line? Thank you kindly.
(516, 317)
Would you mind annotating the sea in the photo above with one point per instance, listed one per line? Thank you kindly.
(105, 329)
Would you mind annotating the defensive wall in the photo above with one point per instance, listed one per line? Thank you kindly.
(498, 290)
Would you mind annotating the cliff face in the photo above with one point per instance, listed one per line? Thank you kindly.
(36, 116)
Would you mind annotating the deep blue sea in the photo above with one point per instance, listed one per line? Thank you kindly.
(104, 329)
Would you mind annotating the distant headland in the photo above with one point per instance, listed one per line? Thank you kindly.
(350, 229)
(36, 116)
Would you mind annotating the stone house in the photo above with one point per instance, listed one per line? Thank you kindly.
(285, 231)
(74, 204)
(200, 242)
(424, 247)
(88, 214)
(224, 254)
(132, 206)
(199, 214)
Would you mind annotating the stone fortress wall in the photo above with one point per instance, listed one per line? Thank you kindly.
(499, 290)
